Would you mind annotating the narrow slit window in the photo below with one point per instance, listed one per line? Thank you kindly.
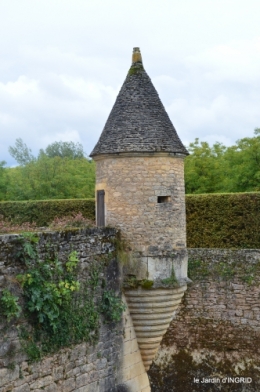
(163, 199)
(100, 208)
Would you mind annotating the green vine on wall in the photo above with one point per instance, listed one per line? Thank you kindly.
(58, 309)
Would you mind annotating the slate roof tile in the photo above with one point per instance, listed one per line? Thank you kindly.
(138, 121)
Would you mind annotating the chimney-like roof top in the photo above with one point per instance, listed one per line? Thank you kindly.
(138, 121)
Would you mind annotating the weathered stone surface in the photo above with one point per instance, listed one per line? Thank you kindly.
(23, 388)
(154, 228)
(7, 388)
(68, 385)
(41, 382)
(216, 331)
(57, 373)
(7, 375)
(132, 364)
(151, 312)
(80, 368)
(51, 388)
(93, 387)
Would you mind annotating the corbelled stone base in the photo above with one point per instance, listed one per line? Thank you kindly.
(152, 311)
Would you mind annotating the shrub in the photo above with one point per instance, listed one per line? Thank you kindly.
(76, 220)
(229, 220)
(43, 212)
(7, 226)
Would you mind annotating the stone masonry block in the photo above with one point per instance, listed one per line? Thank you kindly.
(93, 387)
(68, 385)
(51, 388)
(7, 375)
(42, 382)
(22, 388)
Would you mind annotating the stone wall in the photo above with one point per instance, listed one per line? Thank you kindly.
(215, 334)
(131, 200)
(113, 364)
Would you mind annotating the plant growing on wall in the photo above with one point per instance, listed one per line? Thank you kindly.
(9, 305)
(47, 288)
(112, 306)
(171, 280)
(60, 311)
(224, 270)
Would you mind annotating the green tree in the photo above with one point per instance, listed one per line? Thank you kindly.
(204, 167)
(63, 150)
(21, 153)
(52, 178)
(223, 169)
(3, 180)
(60, 171)
(244, 161)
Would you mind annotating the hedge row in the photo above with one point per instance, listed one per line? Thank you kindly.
(213, 220)
(223, 220)
(44, 211)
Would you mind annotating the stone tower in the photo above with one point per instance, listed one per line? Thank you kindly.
(140, 190)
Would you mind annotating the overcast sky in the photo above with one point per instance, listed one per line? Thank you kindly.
(62, 63)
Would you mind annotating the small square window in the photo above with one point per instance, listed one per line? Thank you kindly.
(163, 199)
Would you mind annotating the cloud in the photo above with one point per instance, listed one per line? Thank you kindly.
(66, 136)
(221, 119)
(217, 94)
(23, 85)
(62, 65)
(237, 61)
(52, 108)
(194, 114)
(89, 90)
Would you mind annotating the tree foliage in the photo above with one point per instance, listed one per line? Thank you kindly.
(52, 178)
(220, 169)
(59, 172)
(21, 153)
(64, 150)
(3, 180)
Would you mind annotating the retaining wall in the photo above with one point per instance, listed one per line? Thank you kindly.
(112, 364)
(213, 342)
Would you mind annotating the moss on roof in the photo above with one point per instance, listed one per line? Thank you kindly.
(138, 121)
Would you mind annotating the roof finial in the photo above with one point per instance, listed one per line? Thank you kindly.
(136, 57)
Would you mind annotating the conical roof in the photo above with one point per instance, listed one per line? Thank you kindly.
(138, 121)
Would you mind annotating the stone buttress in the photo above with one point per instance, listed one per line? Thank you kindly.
(140, 190)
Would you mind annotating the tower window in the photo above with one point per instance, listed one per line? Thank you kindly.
(163, 199)
(101, 208)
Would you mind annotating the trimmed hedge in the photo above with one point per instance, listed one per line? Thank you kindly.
(223, 220)
(44, 211)
(230, 220)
